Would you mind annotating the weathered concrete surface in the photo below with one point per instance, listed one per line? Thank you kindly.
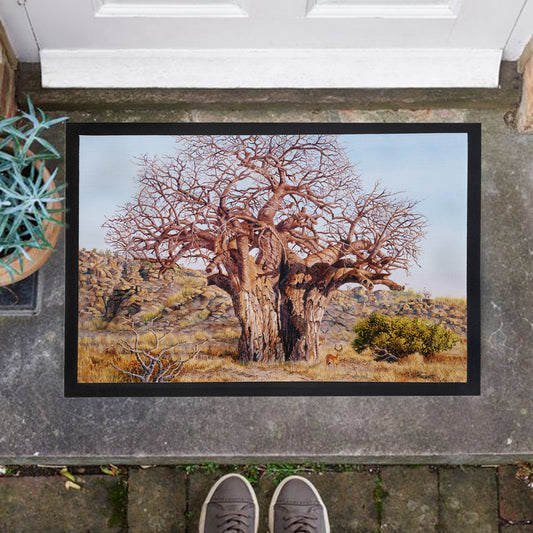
(35, 505)
(39, 425)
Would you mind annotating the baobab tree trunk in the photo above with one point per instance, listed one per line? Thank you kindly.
(260, 336)
(257, 310)
(301, 316)
(278, 322)
(303, 305)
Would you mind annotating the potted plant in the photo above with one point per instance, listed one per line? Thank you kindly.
(31, 202)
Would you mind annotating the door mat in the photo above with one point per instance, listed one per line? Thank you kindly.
(273, 259)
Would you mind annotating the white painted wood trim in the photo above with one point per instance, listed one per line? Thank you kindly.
(18, 30)
(271, 68)
(180, 9)
(521, 34)
(361, 9)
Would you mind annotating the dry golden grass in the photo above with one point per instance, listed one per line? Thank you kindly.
(227, 334)
(99, 326)
(459, 303)
(196, 317)
(201, 336)
(181, 296)
(193, 282)
(409, 294)
(152, 315)
(97, 351)
(94, 366)
(217, 361)
(443, 367)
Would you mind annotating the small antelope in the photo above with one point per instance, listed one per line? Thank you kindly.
(333, 360)
(322, 337)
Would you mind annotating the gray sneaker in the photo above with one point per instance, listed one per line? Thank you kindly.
(296, 507)
(230, 507)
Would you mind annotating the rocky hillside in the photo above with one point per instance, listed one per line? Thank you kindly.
(113, 292)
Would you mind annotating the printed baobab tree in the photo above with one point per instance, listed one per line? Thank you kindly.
(280, 221)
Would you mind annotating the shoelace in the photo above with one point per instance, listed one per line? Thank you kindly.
(301, 523)
(233, 521)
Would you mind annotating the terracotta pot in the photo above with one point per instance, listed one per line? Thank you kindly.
(38, 256)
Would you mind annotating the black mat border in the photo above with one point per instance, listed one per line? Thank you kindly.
(471, 387)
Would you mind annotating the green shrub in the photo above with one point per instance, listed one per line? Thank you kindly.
(402, 336)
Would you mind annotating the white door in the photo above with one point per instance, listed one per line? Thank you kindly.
(267, 43)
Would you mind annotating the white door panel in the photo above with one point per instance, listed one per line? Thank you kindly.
(219, 43)
(521, 34)
(170, 8)
(18, 29)
(269, 24)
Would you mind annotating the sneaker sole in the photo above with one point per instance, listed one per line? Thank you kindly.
(201, 525)
(276, 495)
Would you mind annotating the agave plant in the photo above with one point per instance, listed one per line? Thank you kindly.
(29, 198)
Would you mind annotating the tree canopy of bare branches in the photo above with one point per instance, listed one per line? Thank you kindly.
(280, 222)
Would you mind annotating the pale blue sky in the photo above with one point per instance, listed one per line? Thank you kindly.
(431, 168)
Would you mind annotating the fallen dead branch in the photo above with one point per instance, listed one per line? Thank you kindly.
(158, 363)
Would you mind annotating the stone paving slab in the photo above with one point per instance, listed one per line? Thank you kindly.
(469, 500)
(264, 491)
(410, 499)
(157, 500)
(168, 500)
(44, 505)
(38, 425)
(199, 485)
(349, 498)
(516, 499)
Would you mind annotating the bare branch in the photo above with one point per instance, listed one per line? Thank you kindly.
(228, 200)
(157, 366)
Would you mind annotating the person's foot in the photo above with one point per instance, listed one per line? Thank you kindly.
(296, 507)
(230, 507)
